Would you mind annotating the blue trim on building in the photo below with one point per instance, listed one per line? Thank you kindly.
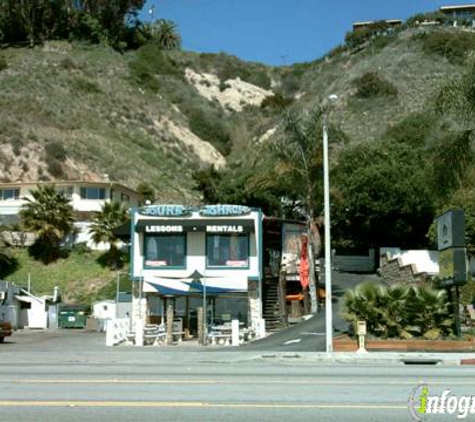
(261, 259)
(132, 242)
(196, 290)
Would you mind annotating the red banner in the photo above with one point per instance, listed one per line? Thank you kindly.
(304, 265)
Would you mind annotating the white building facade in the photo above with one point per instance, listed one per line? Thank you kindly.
(197, 255)
(86, 198)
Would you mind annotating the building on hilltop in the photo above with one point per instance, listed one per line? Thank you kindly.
(459, 12)
(368, 24)
(86, 198)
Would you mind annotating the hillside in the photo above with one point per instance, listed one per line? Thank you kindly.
(80, 112)
(80, 276)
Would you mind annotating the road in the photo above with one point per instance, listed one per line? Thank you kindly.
(71, 376)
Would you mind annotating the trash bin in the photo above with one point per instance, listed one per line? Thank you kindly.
(72, 316)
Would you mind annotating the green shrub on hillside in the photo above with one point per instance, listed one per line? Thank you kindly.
(276, 102)
(151, 62)
(85, 86)
(372, 85)
(291, 81)
(55, 168)
(236, 70)
(413, 130)
(453, 46)
(69, 64)
(3, 63)
(210, 129)
(56, 150)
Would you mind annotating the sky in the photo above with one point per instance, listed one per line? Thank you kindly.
(276, 32)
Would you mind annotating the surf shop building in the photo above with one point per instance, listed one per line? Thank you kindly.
(189, 256)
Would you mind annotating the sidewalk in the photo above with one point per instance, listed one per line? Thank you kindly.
(378, 358)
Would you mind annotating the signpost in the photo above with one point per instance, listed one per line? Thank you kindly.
(453, 263)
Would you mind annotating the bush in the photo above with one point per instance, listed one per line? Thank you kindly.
(276, 102)
(372, 85)
(55, 168)
(86, 86)
(400, 311)
(256, 77)
(81, 248)
(69, 64)
(150, 62)
(88, 28)
(452, 45)
(3, 63)
(56, 150)
(210, 129)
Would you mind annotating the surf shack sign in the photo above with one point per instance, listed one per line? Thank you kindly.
(184, 211)
(224, 210)
(165, 211)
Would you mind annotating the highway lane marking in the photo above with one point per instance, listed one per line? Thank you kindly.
(298, 340)
(230, 382)
(208, 405)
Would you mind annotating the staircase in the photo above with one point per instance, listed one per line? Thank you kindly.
(271, 308)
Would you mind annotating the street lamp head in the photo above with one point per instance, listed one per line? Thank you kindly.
(333, 97)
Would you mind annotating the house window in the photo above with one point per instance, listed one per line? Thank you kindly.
(227, 250)
(165, 250)
(6, 194)
(67, 191)
(93, 193)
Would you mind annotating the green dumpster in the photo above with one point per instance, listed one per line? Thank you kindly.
(72, 316)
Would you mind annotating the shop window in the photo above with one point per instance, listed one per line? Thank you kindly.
(228, 250)
(93, 193)
(165, 250)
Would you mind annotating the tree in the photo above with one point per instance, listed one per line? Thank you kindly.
(297, 160)
(146, 192)
(380, 197)
(35, 21)
(49, 215)
(165, 33)
(112, 215)
(207, 181)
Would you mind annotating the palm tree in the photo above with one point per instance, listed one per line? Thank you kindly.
(49, 215)
(112, 215)
(166, 35)
(298, 165)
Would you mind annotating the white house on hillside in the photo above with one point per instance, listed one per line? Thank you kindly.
(86, 199)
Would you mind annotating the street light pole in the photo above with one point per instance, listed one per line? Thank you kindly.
(328, 263)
